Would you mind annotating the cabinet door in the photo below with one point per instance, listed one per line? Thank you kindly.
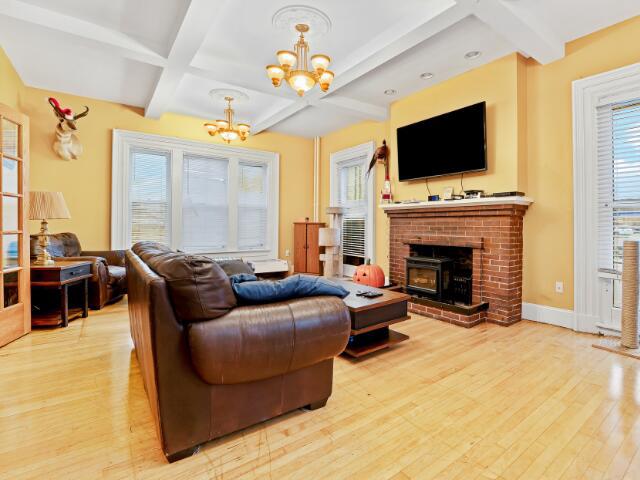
(313, 249)
(300, 247)
(15, 296)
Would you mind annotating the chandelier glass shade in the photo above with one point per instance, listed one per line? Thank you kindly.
(227, 130)
(294, 67)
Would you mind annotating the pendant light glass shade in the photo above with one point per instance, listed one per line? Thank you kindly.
(320, 63)
(301, 81)
(325, 80)
(287, 59)
(276, 74)
(229, 135)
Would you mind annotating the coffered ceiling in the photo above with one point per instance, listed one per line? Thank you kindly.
(166, 55)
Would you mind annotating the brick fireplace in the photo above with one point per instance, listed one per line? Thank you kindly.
(489, 230)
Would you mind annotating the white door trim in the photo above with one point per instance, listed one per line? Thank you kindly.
(588, 94)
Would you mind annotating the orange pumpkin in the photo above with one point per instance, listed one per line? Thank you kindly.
(368, 274)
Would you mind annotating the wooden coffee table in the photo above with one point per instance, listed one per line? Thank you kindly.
(371, 318)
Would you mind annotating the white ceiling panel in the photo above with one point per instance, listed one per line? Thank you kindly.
(152, 22)
(192, 98)
(244, 31)
(572, 19)
(442, 55)
(316, 121)
(75, 67)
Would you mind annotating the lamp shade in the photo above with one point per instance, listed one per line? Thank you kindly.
(47, 205)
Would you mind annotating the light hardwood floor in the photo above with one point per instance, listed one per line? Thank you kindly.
(529, 401)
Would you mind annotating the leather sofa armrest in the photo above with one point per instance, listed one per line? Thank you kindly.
(113, 257)
(262, 341)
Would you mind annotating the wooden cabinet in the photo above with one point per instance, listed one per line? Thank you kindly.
(306, 251)
(15, 297)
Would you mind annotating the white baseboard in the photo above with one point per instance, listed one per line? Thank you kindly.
(551, 315)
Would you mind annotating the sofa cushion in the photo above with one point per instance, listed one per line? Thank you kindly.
(262, 341)
(198, 287)
(234, 267)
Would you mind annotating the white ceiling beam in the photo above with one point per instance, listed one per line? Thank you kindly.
(518, 26)
(435, 16)
(126, 45)
(192, 32)
(365, 110)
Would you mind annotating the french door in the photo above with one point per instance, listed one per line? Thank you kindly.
(15, 295)
(353, 189)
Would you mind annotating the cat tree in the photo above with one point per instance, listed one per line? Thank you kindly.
(330, 238)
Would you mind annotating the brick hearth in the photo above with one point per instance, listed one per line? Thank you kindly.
(493, 230)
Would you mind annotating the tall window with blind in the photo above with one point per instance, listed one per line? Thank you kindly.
(196, 197)
(205, 203)
(252, 206)
(149, 195)
(618, 143)
(351, 190)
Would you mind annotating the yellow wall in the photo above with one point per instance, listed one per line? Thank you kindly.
(86, 183)
(10, 83)
(529, 136)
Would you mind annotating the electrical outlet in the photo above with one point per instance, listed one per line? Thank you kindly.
(559, 287)
(287, 252)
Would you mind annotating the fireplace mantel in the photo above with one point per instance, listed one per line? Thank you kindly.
(467, 202)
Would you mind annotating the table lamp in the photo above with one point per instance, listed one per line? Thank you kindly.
(46, 206)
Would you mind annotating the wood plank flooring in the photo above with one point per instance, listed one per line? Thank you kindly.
(529, 401)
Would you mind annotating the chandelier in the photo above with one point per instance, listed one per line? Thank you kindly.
(301, 79)
(226, 128)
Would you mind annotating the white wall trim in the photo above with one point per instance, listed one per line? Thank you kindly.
(123, 141)
(550, 315)
(588, 94)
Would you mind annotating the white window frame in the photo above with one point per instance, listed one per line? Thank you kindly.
(124, 141)
(347, 155)
(590, 296)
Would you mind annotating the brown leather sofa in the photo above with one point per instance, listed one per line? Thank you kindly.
(211, 367)
(108, 283)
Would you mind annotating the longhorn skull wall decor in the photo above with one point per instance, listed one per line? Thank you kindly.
(67, 144)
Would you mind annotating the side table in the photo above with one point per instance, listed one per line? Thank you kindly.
(61, 275)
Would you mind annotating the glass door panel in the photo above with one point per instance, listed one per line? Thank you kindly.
(15, 297)
(10, 212)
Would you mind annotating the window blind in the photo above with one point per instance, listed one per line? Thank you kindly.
(618, 144)
(149, 195)
(353, 196)
(205, 205)
(252, 206)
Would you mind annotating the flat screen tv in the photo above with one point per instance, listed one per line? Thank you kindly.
(450, 143)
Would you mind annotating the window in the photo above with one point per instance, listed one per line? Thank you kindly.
(352, 189)
(618, 184)
(194, 196)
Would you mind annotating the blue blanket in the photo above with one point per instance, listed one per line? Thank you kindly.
(250, 290)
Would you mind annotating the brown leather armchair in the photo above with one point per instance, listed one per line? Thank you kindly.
(211, 367)
(108, 283)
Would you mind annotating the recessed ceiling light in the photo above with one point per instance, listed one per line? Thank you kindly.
(390, 91)
(472, 54)
(426, 75)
